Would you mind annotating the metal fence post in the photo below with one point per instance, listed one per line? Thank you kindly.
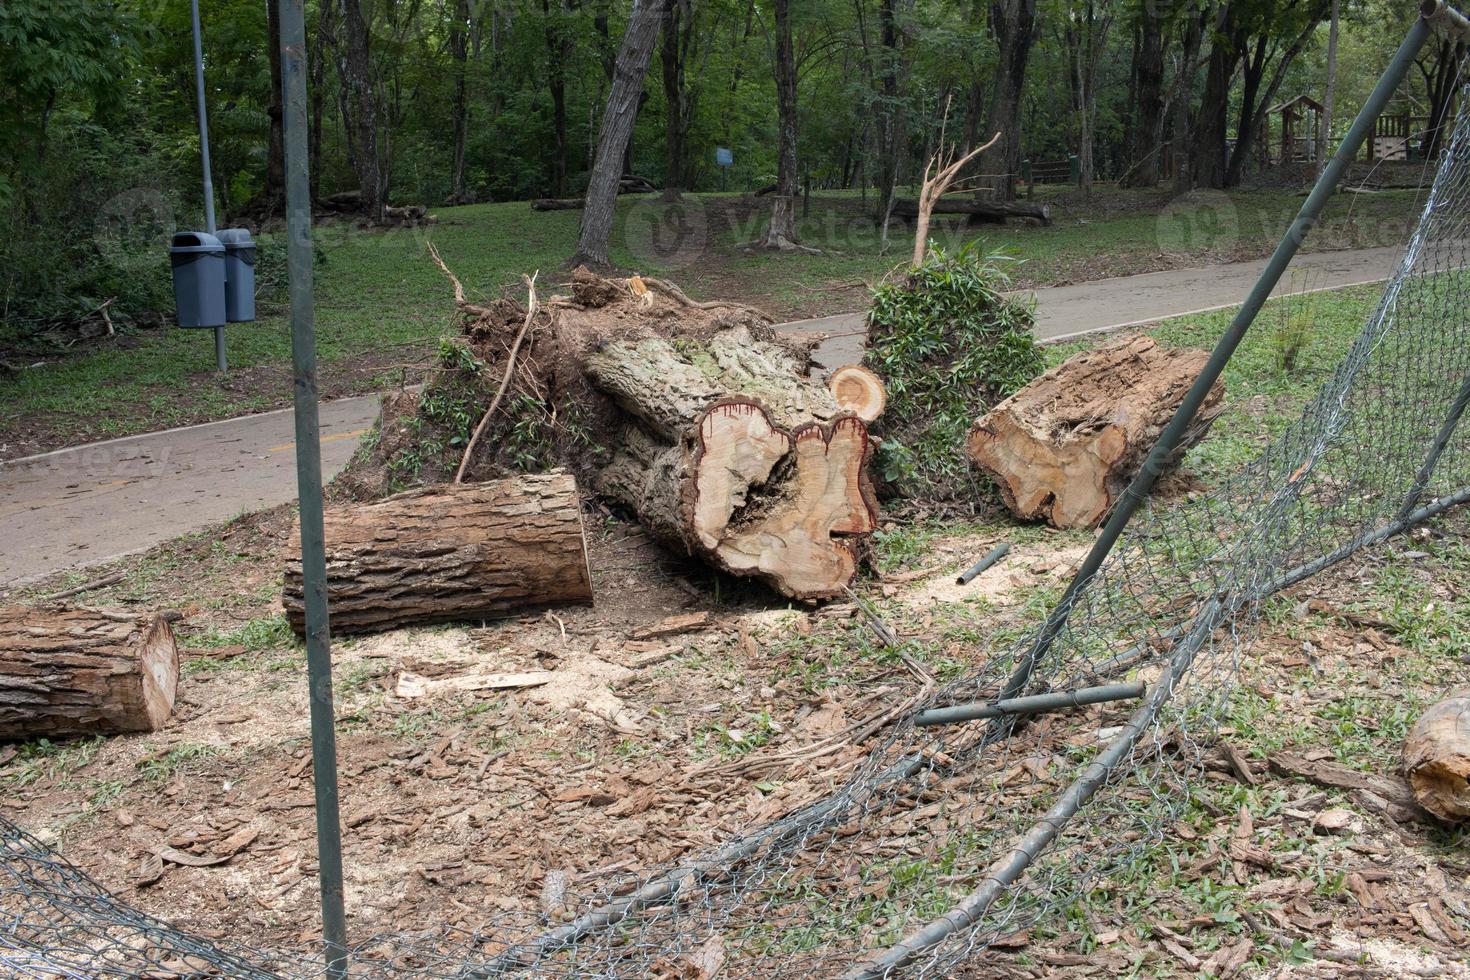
(309, 486)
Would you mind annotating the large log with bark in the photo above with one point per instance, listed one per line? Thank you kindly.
(729, 452)
(70, 672)
(445, 553)
(1065, 446)
(992, 212)
(1437, 759)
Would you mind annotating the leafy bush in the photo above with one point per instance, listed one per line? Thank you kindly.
(948, 345)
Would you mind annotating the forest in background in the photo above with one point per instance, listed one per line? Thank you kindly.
(457, 101)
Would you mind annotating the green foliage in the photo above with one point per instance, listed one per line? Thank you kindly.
(948, 345)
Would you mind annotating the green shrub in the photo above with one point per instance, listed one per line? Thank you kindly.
(948, 345)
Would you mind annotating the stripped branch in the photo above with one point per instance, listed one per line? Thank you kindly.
(510, 364)
(939, 174)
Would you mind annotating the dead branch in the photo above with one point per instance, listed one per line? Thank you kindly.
(939, 174)
(510, 364)
(459, 299)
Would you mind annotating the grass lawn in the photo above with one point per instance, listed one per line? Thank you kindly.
(381, 303)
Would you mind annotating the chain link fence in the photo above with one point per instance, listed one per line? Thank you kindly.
(948, 838)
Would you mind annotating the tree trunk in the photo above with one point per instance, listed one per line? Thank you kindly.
(558, 49)
(617, 132)
(676, 15)
(273, 195)
(782, 231)
(1147, 129)
(990, 212)
(355, 69)
(1437, 759)
(1329, 96)
(1182, 138)
(1014, 24)
(1207, 148)
(84, 672)
(891, 135)
(460, 108)
(459, 552)
(732, 454)
(1065, 446)
(326, 31)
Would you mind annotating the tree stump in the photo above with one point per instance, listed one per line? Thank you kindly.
(1065, 446)
(732, 454)
(70, 672)
(444, 553)
(1437, 759)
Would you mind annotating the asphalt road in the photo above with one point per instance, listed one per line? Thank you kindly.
(88, 504)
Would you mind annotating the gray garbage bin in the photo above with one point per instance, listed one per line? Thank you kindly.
(198, 261)
(239, 274)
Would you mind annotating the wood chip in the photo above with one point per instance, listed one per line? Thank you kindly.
(175, 856)
(673, 625)
(417, 686)
(150, 869)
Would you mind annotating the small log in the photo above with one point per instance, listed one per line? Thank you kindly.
(627, 185)
(1065, 446)
(66, 672)
(994, 212)
(456, 552)
(732, 454)
(1437, 759)
(859, 391)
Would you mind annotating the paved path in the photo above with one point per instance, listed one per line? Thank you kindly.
(1111, 304)
(85, 505)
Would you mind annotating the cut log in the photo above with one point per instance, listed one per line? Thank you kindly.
(445, 553)
(84, 672)
(732, 454)
(627, 185)
(859, 391)
(1065, 446)
(993, 212)
(1437, 759)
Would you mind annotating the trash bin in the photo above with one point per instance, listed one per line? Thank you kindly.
(239, 274)
(198, 261)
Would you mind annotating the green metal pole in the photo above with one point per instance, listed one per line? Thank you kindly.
(1035, 704)
(1306, 219)
(309, 486)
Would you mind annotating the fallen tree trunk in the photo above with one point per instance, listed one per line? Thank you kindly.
(84, 672)
(627, 185)
(732, 454)
(996, 212)
(1065, 446)
(443, 553)
(1437, 759)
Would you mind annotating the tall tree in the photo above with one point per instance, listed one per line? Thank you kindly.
(459, 54)
(1086, 37)
(1283, 35)
(558, 51)
(1197, 15)
(1329, 96)
(781, 233)
(678, 32)
(616, 132)
(892, 135)
(1441, 63)
(1152, 22)
(1013, 23)
(360, 109)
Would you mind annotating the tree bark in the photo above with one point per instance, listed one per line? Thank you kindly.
(1255, 102)
(678, 17)
(617, 131)
(558, 49)
(1146, 132)
(1065, 446)
(732, 454)
(459, 552)
(890, 112)
(781, 233)
(84, 672)
(326, 35)
(354, 66)
(1181, 140)
(1207, 146)
(1014, 24)
(1329, 96)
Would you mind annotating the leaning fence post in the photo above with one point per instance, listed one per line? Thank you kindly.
(1434, 11)
(309, 486)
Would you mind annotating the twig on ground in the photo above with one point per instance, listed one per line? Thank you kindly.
(885, 633)
(510, 365)
(96, 583)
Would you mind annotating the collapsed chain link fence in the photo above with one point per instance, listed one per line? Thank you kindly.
(947, 838)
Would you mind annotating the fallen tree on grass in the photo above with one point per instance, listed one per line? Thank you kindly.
(457, 552)
(694, 416)
(1066, 445)
(70, 672)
